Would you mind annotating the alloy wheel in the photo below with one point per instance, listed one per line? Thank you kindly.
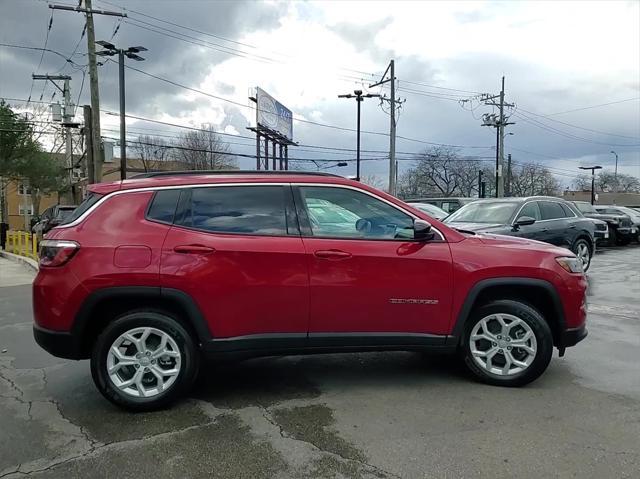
(144, 362)
(503, 344)
(582, 252)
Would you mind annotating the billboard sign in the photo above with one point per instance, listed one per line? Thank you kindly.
(273, 115)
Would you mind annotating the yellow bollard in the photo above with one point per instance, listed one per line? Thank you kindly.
(34, 242)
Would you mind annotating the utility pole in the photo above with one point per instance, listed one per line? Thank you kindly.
(93, 78)
(615, 174)
(480, 195)
(67, 120)
(357, 94)
(393, 164)
(88, 140)
(131, 52)
(593, 180)
(507, 188)
(498, 122)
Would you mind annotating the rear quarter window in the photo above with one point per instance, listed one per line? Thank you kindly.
(89, 201)
(163, 206)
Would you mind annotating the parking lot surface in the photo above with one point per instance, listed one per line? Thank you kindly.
(357, 416)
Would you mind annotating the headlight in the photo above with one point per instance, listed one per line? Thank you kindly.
(570, 264)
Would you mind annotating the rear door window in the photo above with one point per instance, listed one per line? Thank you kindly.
(250, 210)
(551, 210)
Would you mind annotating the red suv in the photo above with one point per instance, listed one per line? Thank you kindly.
(150, 275)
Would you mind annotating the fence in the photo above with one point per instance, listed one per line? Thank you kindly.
(23, 244)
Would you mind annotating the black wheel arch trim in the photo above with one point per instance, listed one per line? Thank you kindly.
(482, 285)
(193, 314)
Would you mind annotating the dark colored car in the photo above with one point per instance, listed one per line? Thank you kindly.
(431, 210)
(541, 218)
(52, 217)
(633, 215)
(447, 204)
(150, 275)
(620, 225)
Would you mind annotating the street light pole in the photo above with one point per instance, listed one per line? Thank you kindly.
(357, 94)
(615, 174)
(593, 180)
(131, 52)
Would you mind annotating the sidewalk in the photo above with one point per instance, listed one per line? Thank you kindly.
(14, 274)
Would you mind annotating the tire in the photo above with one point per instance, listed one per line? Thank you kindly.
(580, 247)
(180, 354)
(528, 328)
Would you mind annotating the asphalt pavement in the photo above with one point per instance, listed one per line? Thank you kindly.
(377, 415)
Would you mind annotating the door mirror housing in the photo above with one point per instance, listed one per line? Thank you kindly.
(524, 221)
(422, 230)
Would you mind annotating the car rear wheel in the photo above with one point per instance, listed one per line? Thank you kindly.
(144, 360)
(583, 250)
(507, 343)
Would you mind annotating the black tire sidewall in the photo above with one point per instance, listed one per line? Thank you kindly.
(146, 318)
(540, 328)
(589, 246)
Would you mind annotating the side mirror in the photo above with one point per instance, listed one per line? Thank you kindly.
(422, 230)
(524, 221)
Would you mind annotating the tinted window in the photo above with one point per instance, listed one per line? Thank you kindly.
(551, 210)
(567, 211)
(238, 209)
(585, 207)
(163, 205)
(345, 213)
(531, 209)
(89, 201)
(499, 212)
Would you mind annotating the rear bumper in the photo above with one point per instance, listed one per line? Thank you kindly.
(571, 337)
(58, 343)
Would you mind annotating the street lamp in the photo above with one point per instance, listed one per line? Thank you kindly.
(593, 180)
(131, 52)
(615, 174)
(357, 94)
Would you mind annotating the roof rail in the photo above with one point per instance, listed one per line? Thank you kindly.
(229, 172)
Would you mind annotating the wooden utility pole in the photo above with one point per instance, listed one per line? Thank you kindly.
(88, 135)
(93, 79)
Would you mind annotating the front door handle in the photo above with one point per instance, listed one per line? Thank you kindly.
(333, 254)
(193, 249)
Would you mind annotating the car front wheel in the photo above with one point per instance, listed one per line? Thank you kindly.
(144, 360)
(507, 343)
(583, 250)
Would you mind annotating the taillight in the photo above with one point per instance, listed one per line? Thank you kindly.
(57, 252)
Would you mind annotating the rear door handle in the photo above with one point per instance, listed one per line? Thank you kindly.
(193, 249)
(332, 254)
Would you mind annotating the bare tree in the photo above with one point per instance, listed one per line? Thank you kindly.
(152, 151)
(582, 183)
(204, 150)
(373, 180)
(607, 181)
(534, 179)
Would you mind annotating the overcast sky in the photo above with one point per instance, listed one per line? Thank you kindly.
(559, 59)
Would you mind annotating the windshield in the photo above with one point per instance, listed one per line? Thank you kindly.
(484, 212)
(89, 201)
(585, 207)
(430, 210)
(630, 212)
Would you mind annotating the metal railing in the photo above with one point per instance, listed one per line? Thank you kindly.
(23, 244)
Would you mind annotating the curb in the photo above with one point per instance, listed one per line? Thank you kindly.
(28, 262)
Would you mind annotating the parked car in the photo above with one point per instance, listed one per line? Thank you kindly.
(148, 275)
(51, 217)
(620, 226)
(601, 233)
(540, 218)
(447, 204)
(432, 210)
(623, 210)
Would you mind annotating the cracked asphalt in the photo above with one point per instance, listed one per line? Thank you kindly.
(378, 415)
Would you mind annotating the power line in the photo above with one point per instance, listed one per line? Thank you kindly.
(576, 126)
(593, 106)
(44, 48)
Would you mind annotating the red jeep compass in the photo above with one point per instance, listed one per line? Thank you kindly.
(151, 274)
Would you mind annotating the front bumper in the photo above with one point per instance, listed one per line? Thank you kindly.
(61, 344)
